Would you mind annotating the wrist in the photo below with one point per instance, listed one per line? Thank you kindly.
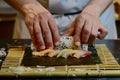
(33, 8)
(93, 10)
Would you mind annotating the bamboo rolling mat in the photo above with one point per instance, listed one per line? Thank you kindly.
(12, 66)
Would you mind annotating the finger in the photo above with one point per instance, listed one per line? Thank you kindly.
(102, 32)
(54, 32)
(93, 34)
(46, 32)
(71, 30)
(78, 29)
(38, 34)
(34, 40)
(86, 32)
(29, 20)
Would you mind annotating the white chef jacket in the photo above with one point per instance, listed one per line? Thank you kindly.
(61, 7)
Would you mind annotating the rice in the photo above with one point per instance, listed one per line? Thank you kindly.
(19, 69)
(66, 42)
(2, 52)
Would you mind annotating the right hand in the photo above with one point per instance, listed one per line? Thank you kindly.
(86, 28)
(42, 27)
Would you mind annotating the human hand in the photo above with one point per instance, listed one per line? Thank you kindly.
(42, 28)
(86, 28)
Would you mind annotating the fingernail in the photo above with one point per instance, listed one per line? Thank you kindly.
(77, 43)
(42, 47)
(57, 43)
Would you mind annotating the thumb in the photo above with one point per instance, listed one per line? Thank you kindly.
(102, 33)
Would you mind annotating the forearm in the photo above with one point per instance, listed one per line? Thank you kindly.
(97, 7)
(24, 6)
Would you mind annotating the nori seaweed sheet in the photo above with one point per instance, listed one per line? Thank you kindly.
(30, 60)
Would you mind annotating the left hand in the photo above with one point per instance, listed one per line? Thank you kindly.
(86, 28)
(41, 25)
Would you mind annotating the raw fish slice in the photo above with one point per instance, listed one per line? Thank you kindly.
(81, 53)
(63, 52)
(87, 53)
(42, 53)
(54, 53)
(70, 53)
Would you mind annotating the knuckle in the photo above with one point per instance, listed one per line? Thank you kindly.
(105, 31)
(46, 31)
(50, 17)
(80, 18)
(41, 16)
(86, 31)
(55, 30)
(93, 35)
(28, 22)
(37, 32)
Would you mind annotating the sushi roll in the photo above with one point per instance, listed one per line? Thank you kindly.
(65, 49)
(66, 42)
